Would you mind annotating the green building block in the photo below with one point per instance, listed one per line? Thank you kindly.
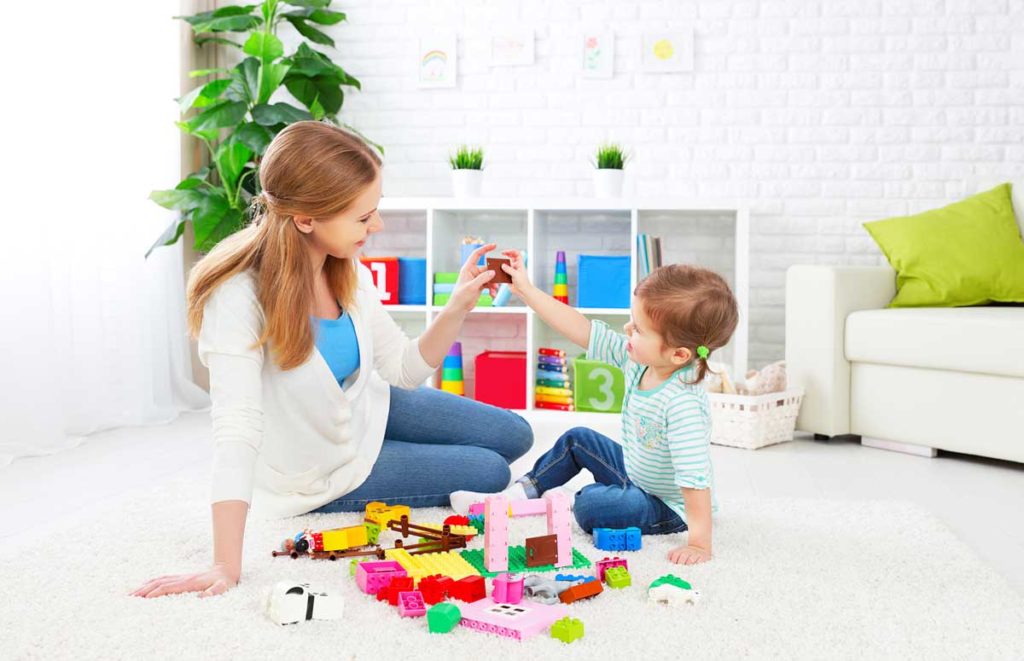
(670, 579)
(597, 386)
(517, 562)
(478, 523)
(617, 577)
(352, 565)
(446, 278)
(567, 629)
(372, 532)
(443, 617)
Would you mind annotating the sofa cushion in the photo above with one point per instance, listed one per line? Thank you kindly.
(986, 340)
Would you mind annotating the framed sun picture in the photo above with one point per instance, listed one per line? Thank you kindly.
(437, 58)
(512, 47)
(666, 52)
(598, 54)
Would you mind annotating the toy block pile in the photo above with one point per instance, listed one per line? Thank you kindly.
(451, 371)
(553, 389)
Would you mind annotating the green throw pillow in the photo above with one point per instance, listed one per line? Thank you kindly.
(968, 253)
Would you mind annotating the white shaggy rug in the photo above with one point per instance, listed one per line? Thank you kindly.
(791, 579)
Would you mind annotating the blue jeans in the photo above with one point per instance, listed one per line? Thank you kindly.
(613, 501)
(436, 443)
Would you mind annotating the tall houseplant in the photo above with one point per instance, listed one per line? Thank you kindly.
(233, 114)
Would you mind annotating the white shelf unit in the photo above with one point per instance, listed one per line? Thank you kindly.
(713, 235)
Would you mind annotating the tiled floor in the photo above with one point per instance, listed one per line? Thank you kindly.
(981, 500)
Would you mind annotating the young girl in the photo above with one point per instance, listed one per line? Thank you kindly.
(660, 478)
(304, 361)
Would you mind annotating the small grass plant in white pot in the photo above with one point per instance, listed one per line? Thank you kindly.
(467, 171)
(608, 174)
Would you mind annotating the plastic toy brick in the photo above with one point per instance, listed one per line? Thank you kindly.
(541, 550)
(449, 563)
(442, 618)
(543, 589)
(496, 533)
(672, 590)
(456, 520)
(398, 585)
(581, 591)
(567, 629)
(508, 589)
(517, 561)
(435, 588)
(633, 538)
(671, 579)
(618, 577)
(617, 539)
(374, 575)
(410, 604)
(602, 565)
(476, 509)
(466, 531)
(468, 589)
(380, 513)
(352, 567)
(477, 521)
(517, 621)
(575, 578)
(529, 507)
(372, 532)
(560, 523)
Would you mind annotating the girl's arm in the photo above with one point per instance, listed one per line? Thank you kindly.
(698, 520)
(563, 318)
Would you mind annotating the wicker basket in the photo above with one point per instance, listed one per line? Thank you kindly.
(754, 421)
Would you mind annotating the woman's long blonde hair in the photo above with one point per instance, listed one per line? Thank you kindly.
(310, 169)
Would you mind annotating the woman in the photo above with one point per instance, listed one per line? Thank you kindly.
(315, 406)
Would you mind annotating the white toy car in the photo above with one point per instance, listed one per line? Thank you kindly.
(290, 602)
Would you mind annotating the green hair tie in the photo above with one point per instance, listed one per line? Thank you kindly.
(703, 352)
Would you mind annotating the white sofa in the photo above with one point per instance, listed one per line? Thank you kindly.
(914, 380)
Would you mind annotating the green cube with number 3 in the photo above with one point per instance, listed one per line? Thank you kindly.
(597, 386)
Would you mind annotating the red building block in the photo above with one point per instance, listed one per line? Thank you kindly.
(390, 593)
(435, 588)
(469, 589)
(385, 277)
(581, 591)
(501, 379)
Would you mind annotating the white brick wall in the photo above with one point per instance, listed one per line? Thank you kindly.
(817, 114)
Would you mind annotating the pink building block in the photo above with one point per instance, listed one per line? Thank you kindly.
(518, 621)
(560, 523)
(508, 589)
(476, 509)
(604, 564)
(410, 604)
(496, 533)
(530, 507)
(372, 576)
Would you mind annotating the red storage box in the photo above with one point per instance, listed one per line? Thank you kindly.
(385, 277)
(501, 378)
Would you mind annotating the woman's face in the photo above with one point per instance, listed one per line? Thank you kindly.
(344, 235)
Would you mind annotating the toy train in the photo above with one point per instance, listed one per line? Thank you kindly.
(331, 544)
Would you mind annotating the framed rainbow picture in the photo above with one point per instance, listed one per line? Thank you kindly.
(437, 59)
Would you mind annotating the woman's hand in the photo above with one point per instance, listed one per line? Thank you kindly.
(216, 580)
(516, 270)
(471, 281)
(689, 555)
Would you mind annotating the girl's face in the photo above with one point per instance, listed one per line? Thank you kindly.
(646, 346)
(344, 235)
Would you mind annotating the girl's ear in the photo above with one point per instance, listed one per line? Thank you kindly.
(681, 356)
(303, 223)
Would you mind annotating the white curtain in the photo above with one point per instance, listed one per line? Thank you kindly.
(93, 334)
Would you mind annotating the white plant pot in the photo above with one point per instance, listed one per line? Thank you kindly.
(467, 183)
(608, 182)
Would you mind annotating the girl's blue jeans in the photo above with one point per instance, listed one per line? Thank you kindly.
(436, 443)
(613, 501)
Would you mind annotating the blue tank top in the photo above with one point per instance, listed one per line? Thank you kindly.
(337, 342)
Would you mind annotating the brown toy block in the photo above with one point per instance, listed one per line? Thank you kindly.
(494, 264)
(541, 550)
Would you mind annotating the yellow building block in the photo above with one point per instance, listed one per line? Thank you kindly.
(450, 564)
(466, 531)
(381, 513)
(561, 290)
(345, 538)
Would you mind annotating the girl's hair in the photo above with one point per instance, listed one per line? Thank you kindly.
(309, 169)
(691, 307)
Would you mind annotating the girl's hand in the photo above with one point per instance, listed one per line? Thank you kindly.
(689, 555)
(471, 281)
(214, 581)
(517, 271)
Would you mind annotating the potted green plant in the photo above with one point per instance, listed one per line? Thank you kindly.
(232, 114)
(467, 171)
(608, 173)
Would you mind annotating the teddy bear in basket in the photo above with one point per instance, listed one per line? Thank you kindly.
(771, 378)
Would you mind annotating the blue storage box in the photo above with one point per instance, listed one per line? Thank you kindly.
(412, 280)
(603, 281)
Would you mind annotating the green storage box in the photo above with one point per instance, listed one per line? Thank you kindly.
(597, 386)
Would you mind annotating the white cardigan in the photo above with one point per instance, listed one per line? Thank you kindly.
(290, 441)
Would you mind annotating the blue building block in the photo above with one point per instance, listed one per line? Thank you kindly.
(573, 578)
(617, 539)
(412, 280)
